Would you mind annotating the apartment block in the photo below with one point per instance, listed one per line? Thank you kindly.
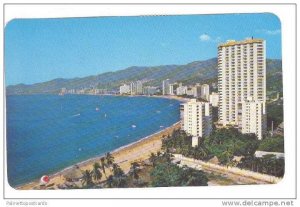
(166, 87)
(252, 117)
(241, 77)
(196, 119)
(205, 92)
(125, 89)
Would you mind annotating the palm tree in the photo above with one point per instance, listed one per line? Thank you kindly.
(103, 165)
(134, 169)
(87, 178)
(117, 171)
(203, 152)
(226, 156)
(96, 173)
(109, 159)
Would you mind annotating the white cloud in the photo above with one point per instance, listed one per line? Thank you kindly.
(269, 32)
(205, 37)
(273, 32)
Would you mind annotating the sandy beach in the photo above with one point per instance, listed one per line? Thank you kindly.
(124, 156)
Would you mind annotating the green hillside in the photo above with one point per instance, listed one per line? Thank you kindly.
(194, 72)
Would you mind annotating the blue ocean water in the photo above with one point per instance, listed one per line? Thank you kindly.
(47, 133)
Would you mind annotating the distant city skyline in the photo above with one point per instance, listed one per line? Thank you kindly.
(38, 50)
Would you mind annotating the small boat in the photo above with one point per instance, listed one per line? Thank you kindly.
(161, 126)
(105, 115)
(133, 126)
(97, 109)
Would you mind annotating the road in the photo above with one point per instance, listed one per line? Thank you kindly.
(218, 177)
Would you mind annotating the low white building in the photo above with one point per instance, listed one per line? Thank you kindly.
(181, 90)
(150, 90)
(125, 89)
(214, 99)
(196, 118)
(195, 141)
(190, 91)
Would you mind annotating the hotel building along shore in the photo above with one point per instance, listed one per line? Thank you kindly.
(241, 96)
(242, 85)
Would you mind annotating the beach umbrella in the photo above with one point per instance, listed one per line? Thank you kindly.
(45, 179)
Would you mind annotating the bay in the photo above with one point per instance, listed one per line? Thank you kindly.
(47, 133)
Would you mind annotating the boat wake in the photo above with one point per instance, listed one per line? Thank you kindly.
(76, 115)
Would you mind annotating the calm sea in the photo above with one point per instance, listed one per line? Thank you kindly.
(47, 133)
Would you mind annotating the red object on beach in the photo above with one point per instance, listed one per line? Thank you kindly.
(45, 179)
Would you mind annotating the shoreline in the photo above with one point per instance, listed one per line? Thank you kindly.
(136, 151)
(172, 97)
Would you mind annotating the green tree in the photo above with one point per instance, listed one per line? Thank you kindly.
(103, 165)
(152, 158)
(134, 170)
(169, 174)
(87, 179)
(109, 159)
(272, 144)
(97, 175)
(117, 171)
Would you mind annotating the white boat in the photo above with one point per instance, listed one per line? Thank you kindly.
(97, 109)
(133, 126)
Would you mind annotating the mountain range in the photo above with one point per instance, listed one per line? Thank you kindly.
(194, 72)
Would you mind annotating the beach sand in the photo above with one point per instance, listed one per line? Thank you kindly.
(124, 156)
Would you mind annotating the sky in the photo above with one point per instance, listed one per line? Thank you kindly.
(38, 50)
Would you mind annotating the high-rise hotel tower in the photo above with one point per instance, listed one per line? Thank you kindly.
(241, 81)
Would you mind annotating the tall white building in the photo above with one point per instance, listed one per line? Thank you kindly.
(165, 87)
(132, 88)
(197, 90)
(241, 77)
(125, 89)
(253, 117)
(205, 92)
(139, 87)
(196, 118)
(171, 89)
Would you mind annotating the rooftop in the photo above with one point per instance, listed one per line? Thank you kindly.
(243, 42)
